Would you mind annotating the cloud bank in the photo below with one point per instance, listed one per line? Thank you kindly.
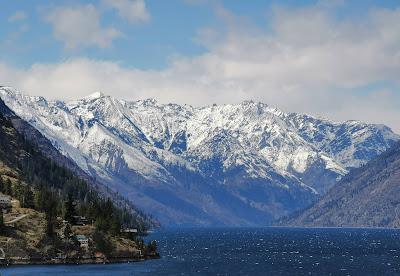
(306, 61)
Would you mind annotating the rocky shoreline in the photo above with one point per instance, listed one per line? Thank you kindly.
(76, 261)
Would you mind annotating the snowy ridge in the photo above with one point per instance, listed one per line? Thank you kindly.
(240, 164)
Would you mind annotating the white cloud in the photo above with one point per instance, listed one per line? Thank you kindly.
(17, 16)
(80, 26)
(131, 10)
(306, 62)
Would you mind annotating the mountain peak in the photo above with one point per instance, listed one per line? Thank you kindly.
(9, 90)
(149, 102)
(94, 96)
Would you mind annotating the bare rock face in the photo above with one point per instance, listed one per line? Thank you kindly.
(367, 197)
(242, 164)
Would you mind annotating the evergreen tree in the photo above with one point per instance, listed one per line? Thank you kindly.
(108, 208)
(38, 199)
(28, 198)
(18, 192)
(67, 231)
(115, 226)
(69, 208)
(152, 246)
(8, 187)
(50, 208)
(1, 221)
(102, 224)
(50, 224)
(102, 243)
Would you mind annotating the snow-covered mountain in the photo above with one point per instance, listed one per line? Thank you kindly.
(242, 164)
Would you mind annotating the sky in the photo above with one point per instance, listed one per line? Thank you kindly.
(337, 59)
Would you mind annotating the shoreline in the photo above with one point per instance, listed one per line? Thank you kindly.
(81, 261)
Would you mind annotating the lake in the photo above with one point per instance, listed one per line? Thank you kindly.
(254, 251)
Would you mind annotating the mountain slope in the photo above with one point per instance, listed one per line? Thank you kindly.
(241, 164)
(20, 134)
(43, 200)
(368, 197)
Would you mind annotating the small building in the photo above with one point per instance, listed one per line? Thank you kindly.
(83, 241)
(129, 230)
(80, 220)
(5, 202)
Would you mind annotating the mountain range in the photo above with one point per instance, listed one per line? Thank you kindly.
(234, 164)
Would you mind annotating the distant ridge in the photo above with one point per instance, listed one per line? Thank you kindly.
(367, 197)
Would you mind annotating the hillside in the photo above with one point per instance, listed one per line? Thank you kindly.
(27, 242)
(367, 197)
(234, 164)
(45, 147)
(47, 199)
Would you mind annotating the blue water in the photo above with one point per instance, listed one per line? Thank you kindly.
(256, 251)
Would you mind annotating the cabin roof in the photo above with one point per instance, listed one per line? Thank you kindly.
(81, 237)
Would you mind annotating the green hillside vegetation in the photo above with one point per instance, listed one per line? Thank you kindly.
(51, 196)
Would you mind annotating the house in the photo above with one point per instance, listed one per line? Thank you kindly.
(129, 230)
(80, 220)
(83, 241)
(5, 202)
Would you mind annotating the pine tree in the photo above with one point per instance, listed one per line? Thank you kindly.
(8, 187)
(152, 246)
(1, 184)
(102, 224)
(115, 226)
(102, 242)
(50, 223)
(1, 221)
(50, 208)
(28, 198)
(67, 231)
(18, 192)
(38, 199)
(108, 209)
(69, 208)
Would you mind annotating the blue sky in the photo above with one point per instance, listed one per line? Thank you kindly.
(171, 31)
(318, 57)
